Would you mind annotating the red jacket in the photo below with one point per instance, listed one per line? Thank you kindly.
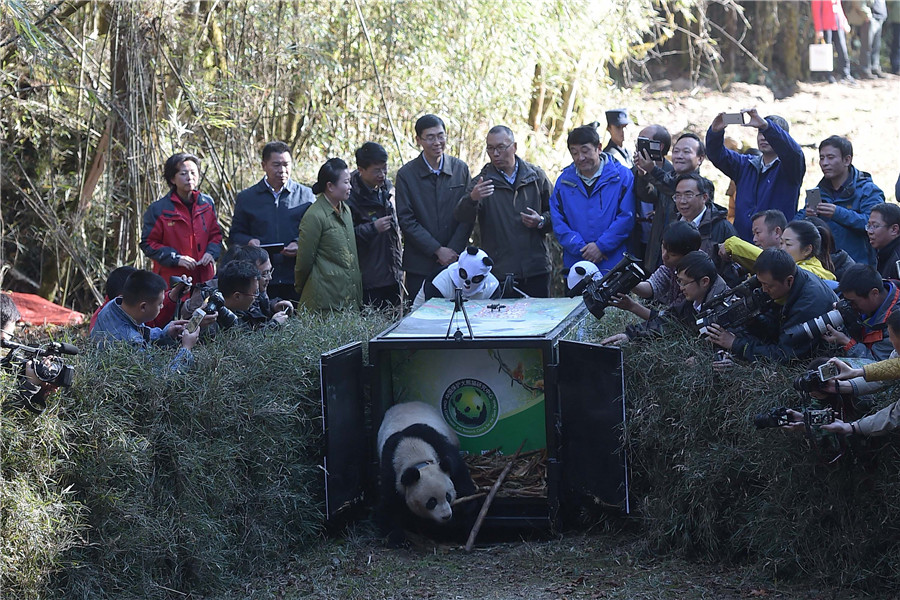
(828, 15)
(172, 228)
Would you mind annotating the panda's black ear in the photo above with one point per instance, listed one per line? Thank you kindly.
(409, 477)
(472, 250)
(488, 262)
(581, 271)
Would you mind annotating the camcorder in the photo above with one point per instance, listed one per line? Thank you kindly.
(621, 279)
(843, 315)
(735, 307)
(778, 417)
(46, 363)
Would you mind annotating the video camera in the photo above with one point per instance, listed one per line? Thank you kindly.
(621, 279)
(48, 367)
(735, 307)
(843, 314)
(778, 417)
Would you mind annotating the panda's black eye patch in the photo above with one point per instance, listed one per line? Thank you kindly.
(463, 274)
(449, 499)
(432, 502)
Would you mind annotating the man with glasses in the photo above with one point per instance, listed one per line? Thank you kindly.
(883, 230)
(376, 228)
(510, 198)
(239, 284)
(693, 204)
(427, 191)
(657, 181)
(268, 213)
(592, 204)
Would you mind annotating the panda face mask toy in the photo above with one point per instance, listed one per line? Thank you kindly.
(470, 271)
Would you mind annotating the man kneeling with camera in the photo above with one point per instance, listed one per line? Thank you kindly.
(124, 319)
(799, 297)
(874, 299)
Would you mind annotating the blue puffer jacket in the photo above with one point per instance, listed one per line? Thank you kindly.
(778, 187)
(605, 217)
(854, 201)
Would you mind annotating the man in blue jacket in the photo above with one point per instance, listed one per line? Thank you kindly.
(269, 212)
(769, 181)
(848, 196)
(592, 203)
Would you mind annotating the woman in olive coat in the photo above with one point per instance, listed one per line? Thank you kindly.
(327, 275)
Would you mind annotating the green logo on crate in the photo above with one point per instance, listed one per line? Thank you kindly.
(470, 407)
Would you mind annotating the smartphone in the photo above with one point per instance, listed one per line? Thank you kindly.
(827, 371)
(652, 147)
(733, 118)
(813, 197)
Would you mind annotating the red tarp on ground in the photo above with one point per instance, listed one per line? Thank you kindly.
(38, 311)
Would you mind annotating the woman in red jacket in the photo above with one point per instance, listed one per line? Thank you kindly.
(181, 232)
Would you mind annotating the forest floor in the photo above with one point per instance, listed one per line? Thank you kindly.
(599, 565)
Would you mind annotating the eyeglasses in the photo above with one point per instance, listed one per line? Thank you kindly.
(685, 196)
(683, 284)
(874, 226)
(435, 137)
(254, 294)
(497, 149)
(267, 274)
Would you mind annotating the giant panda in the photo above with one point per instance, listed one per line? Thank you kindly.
(421, 473)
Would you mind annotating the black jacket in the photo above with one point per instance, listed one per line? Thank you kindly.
(887, 260)
(379, 252)
(681, 312)
(256, 216)
(512, 246)
(809, 297)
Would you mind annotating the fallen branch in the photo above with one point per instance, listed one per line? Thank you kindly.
(490, 499)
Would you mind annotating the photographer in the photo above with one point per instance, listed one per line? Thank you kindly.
(32, 392)
(888, 418)
(271, 308)
(125, 318)
(697, 278)
(801, 295)
(875, 300)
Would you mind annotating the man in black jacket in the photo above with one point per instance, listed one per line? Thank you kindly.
(269, 213)
(511, 200)
(883, 230)
(802, 295)
(376, 228)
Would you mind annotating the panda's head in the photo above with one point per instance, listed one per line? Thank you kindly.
(429, 491)
(469, 272)
(579, 275)
(468, 406)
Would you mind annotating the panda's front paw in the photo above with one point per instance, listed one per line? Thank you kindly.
(396, 539)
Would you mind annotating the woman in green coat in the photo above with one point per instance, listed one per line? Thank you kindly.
(327, 273)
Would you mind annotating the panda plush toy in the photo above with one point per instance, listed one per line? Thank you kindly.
(421, 474)
(471, 274)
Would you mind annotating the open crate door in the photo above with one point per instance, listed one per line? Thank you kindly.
(343, 412)
(592, 412)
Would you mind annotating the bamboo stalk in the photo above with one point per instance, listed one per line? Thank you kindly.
(490, 499)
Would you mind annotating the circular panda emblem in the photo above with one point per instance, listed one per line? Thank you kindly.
(470, 407)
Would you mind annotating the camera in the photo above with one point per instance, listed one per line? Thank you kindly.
(652, 147)
(735, 307)
(778, 417)
(813, 379)
(842, 315)
(621, 279)
(48, 367)
(215, 303)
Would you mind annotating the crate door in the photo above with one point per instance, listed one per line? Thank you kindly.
(343, 416)
(592, 415)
